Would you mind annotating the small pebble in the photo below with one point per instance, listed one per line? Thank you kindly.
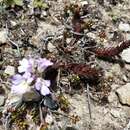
(124, 27)
(2, 100)
(127, 36)
(124, 94)
(10, 70)
(51, 47)
(3, 36)
(49, 119)
(44, 14)
(31, 95)
(84, 3)
(13, 23)
(126, 55)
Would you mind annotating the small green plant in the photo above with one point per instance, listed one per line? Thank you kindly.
(75, 82)
(35, 115)
(18, 118)
(64, 103)
(12, 2)
(39, 4)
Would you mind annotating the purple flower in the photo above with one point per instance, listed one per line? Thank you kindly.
(43, 63)
(42, 86)
(26, 65)
(38, 84)
(17, 79)
(28, 77)
(20, 83)
(45, 90)
(20, 88)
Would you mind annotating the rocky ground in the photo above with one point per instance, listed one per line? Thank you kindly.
(64, 32)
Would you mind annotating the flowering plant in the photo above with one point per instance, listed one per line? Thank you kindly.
(29, 70)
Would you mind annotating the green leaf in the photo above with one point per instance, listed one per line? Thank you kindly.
(18, 2)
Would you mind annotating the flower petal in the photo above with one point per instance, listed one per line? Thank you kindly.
(45, 90)
(26, 65)
(27, 75)
(43, 63)
(20, 88)
(38, 84)
(29, 80)
(42, 86)
(17, 79)
(23, 65)
(47, 83)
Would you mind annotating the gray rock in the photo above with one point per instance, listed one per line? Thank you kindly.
(1, 109)
(115, 86)
(126, 55)
(3, 36)
(124, 94)
(124, 77)
(31, 95)
(51, 47)
(124, 27)
(115, 113)
(12, 101)
(10, 70)
(112, 97)
(44, 14)
(127, 66)
(92, 35)
(128, 126)
(13, 23)
(127, 36)
(49, 119)
(2, 100)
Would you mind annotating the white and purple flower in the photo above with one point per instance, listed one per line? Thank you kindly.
(43, 63)
(20, 88)
(17, 79)
(28, 77)
(21, 82)
(26, 65)
(42, 86)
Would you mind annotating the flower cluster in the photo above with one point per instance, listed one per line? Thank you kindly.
(27, 72)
